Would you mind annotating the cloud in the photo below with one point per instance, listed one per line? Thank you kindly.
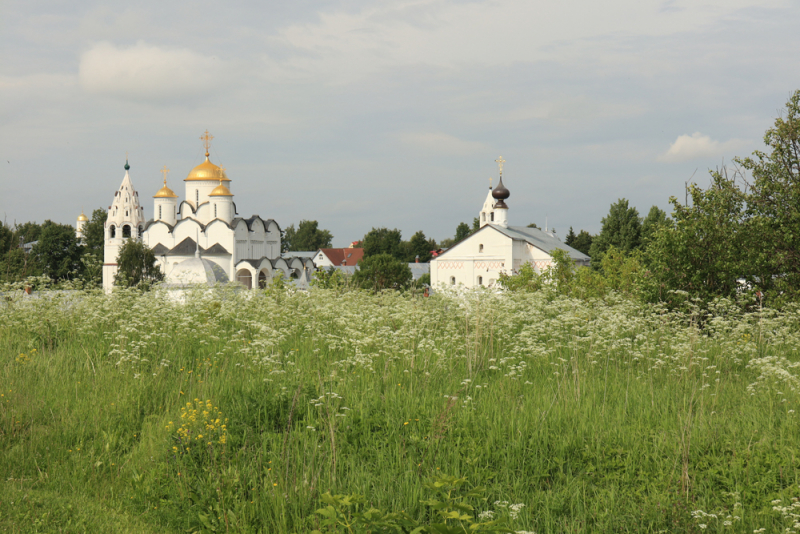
(696, 146)
(147, 73)
(441, 142)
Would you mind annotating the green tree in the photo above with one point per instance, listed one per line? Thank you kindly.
(570, 237)
(94, 233)
(655, 218)
(462, 232)
(707, 249)
(476, 224)
(28, 231)
(59, 251)
(774, 203)
(583, 242)
(621, 229)
(534, 225)
(136, 266)
(382, 271)
(307, 236)
(384, 241)
(420, 246)
(6, 239)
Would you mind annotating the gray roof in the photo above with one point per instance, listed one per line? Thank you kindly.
(540, 239)
(299, 254)
(187, 247)
(418, 269)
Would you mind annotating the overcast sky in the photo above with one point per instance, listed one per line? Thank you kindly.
(387, 113)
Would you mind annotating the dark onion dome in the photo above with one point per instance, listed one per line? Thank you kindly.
(500, 193)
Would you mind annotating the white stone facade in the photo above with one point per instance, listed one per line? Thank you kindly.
(496, 248)
(204, 223)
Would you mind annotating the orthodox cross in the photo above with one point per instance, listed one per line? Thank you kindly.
(206, 139)
(221, 174)
(500, 162)
(164, 171)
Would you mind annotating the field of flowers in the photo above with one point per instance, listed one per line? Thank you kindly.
(235, 412)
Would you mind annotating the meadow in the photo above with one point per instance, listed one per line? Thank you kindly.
(241, 412)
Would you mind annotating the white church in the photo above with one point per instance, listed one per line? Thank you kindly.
(201, 239)
(478, 260)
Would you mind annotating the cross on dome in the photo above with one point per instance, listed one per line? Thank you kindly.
(500, 162)
(165, 171)
(206, 139)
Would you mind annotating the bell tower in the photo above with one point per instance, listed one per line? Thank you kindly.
(125, 221)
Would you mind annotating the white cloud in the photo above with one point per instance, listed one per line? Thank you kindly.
(696, 146)
(344, 46)
(441, 142)
(145, 72)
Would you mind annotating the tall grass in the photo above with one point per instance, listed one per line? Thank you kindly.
(602, 416)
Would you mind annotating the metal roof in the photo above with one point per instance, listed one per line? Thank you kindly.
(540, 239)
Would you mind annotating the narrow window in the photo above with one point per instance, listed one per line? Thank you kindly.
(126, 213)
(480, 248)
(196, 198)
(112, 231)
(452, 280)
(492, 216)
(159, 212)
(480, 280)
(215, 209)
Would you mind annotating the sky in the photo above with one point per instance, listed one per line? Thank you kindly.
(362, 114)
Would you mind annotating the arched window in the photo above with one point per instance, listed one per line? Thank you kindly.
(480, 248)
(126, 213)
(245, 278)
(452, 280)
(196, 198)
(126, 231)
(480, 280)
(492, 214)
(262, 279)
(159, 212)
(141, 231)
(112, 232)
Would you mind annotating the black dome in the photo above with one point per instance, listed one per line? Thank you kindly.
(500, 192)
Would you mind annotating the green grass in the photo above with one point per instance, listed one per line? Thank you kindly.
(598, 417)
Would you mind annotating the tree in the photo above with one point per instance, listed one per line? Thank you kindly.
(708, 248)
(621, 229)
(582, 242)
(655, 218)
(384, 241)
(28, 231)
(774, 202)
(570, 239)
(6, 239)
(462, 232)
(420, 246)
(307, 236)
(136, 266)
(382, 271)
(533, 225)
(476, 224)
(94, 233)
(58, 251)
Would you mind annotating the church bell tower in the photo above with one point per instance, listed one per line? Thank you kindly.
(125, 221)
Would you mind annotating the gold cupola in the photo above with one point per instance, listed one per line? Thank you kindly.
(165, 192)
(221, 191)
(82, 217)
(207, 170)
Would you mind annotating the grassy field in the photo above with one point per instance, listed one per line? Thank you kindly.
(235, 412)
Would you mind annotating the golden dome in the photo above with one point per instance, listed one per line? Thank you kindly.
(221, 191)
(207, 171)
(165, 192)
(82, 217)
